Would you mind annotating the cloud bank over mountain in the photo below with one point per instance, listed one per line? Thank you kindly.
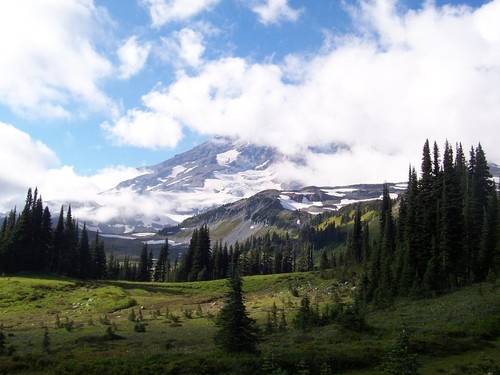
(89, 90)
(403, 76)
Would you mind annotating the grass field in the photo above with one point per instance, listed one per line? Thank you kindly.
(90, 331)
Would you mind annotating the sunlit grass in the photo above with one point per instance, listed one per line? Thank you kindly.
(179, 327)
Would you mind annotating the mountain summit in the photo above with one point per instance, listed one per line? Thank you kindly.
(216, 172)
(235, 168)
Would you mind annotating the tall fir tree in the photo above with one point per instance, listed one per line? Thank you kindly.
(236, 330)
(143, 270)
(160, 269)
(85, 261)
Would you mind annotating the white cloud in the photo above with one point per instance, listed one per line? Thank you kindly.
(49, 60)
(133, 56)
(24, 160)
(432, 73)
(28, 163)
(276, 11)
(184, 47)
(146, 129)
(165, 11)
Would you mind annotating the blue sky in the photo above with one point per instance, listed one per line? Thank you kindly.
(91, 89)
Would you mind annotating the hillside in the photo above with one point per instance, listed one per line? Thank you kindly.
(90, 331)
(279, 211)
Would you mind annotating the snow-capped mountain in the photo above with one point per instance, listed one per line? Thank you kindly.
(219, 165)
(287, 209)
(214, 173)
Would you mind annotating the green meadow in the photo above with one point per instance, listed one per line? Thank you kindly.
(55, 325)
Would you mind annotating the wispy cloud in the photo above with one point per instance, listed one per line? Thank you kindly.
(275, 12)
(133, 56)
(32, 164)
(49, 60)
(165, 11)
(406, 76)
(25, 154)
(184, 47)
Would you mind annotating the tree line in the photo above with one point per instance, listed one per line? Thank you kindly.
(443, 232)
(29, 242)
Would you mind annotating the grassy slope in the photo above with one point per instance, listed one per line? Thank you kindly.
(449, 331)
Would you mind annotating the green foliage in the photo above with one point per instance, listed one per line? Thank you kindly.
(236, 331)
(69, 325)
(450, 331)
(5, 348)
(105, 320)
(46, 341)
(131, 316)
(401, 359)
(188, 313)
(307, 316)
(139, 327)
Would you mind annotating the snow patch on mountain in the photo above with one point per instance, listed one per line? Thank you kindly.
(227, 157)
(289, 204)
(339, 192)
(178, 169)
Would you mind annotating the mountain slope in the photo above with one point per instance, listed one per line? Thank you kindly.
(214, 173)
(219, 164)
(282, 210)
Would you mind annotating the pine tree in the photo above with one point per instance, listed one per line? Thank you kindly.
(287, 266)
(236, 331)
(400, 358)
(451, 245)
(97, 258)
(160, 272)
(46, 341)
(200, 269)
(85, 261)
(58, 245)
(143, 273)
(324, 263)
(489, 238)
(69, 259)
(355, 244)
(304, 318)
(22, 244)
(46, 240)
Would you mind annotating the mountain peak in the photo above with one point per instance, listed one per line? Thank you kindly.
(217, 159)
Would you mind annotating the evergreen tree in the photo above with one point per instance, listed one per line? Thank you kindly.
(69, 259)
(200, 269)
(160, 272)
(143, 271)
(489, 240)
(46, 240)
(46, 341)
(58, 245)
(85, 261)
(400, 358)
(385, 284)
(98, 258)
(6, 245)
(236, 331)
(287, 266)
(355, 240)
(22, 245)
(324, 263)
(451, 245)
(305, 317)
(112, 267)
